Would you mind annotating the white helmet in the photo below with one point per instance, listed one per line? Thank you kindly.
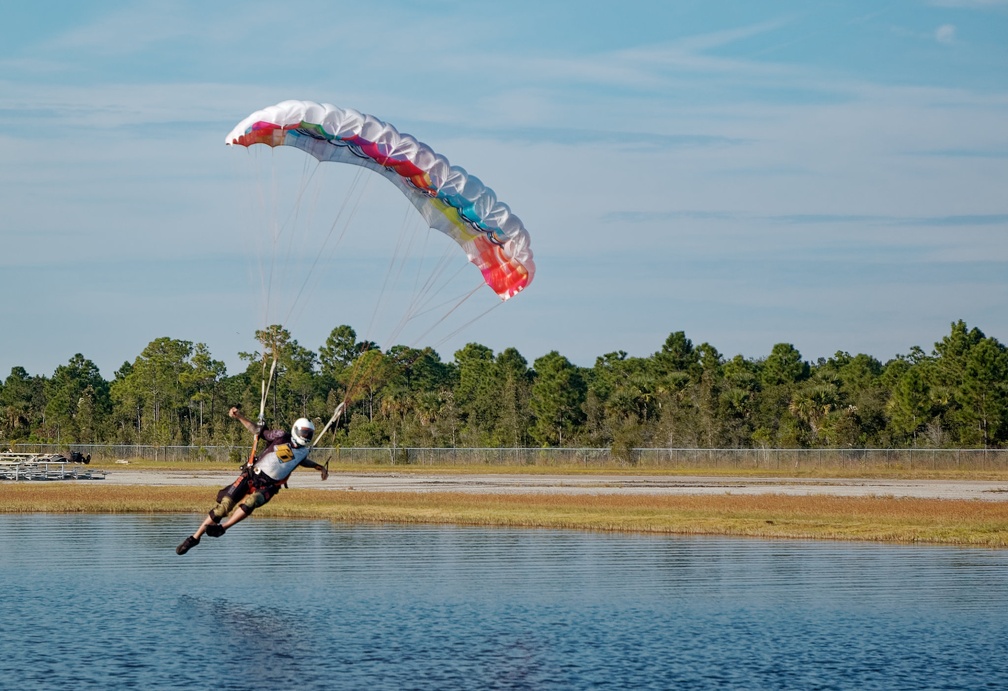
(302, 431)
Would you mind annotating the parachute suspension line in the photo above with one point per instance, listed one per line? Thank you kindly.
(446, 307)
(427, 282)
(264, 388)
(295, 228)
(398, 258)
(432, 285)
(268, 268)
(466, 324)
(360, 370)
(424, 298)
(329, 243)
(266, 383)
(300, 217)
(408, 233)
(281, 228)
(266, 195)
(254, 202)
(422, 302)
(363, 366)
(349, 211)
(423, 253)
(304, 235)
(289, 230)
(332, 420)
(430, 290)
(290, 233)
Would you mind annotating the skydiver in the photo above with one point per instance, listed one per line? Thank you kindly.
(260, 482)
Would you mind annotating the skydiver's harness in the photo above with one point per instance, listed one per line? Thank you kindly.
(278, 457)
(260, 480)
(248, 482)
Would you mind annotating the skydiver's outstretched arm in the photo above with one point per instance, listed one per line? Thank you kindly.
(307, 463)
(248, 424)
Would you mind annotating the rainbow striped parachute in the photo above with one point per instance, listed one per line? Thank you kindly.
(450, 199)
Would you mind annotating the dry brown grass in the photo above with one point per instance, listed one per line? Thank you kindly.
(889, 519)
(826, 471)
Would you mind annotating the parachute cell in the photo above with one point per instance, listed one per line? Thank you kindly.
(450, 199)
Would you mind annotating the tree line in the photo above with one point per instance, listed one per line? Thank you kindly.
(682, 396)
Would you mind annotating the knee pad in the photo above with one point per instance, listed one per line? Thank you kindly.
(250, 504)
(222, 509)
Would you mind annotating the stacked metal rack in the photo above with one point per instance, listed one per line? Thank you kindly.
(28, 466)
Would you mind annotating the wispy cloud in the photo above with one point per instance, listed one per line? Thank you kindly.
(961, 220)
(945, 34)
(974, 4)
(964, 153)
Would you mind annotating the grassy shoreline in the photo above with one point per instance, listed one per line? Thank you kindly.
(871, 518)
(808, 472)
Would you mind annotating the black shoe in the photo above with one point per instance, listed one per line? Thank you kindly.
(187, 545)
(215, 530)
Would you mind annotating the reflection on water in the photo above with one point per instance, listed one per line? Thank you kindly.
(104, 602)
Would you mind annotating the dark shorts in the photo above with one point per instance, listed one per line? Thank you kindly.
(250, 489)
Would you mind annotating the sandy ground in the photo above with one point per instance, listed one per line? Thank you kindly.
(594, 484)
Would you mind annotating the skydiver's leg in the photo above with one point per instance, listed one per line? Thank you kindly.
(252, 502)
(227, 498)
(207, 522)
(239, 515)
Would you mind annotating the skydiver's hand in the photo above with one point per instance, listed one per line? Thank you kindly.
(234, 412)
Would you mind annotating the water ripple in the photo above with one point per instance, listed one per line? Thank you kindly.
(104, 602)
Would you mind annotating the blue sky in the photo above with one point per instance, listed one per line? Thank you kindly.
(828, 174)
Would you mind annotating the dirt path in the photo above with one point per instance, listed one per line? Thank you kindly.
(591, 484)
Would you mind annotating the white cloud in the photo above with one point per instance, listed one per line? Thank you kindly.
(979, 4)
(946, 34)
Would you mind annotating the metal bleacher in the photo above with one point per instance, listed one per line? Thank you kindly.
(29, 466)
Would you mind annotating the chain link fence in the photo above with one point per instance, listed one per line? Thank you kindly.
(657, 459)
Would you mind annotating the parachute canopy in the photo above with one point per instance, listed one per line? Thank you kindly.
(450, 199)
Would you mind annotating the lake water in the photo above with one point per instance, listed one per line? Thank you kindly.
(103, 602)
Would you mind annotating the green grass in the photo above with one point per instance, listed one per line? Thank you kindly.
(882, 519)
